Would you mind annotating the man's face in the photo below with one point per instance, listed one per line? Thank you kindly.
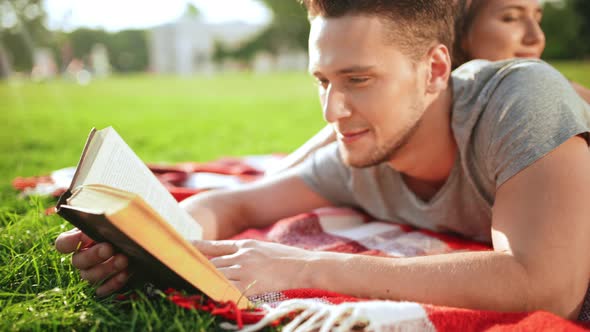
(371, 92)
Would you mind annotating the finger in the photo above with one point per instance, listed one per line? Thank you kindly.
(113, 284)
(99, 273)
(232, 273)
(71, 241)
(92, 256)
(224, 261)
(216, 248)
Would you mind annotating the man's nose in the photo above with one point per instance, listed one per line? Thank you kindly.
(334, 105)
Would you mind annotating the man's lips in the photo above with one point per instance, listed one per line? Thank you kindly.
(352, 135)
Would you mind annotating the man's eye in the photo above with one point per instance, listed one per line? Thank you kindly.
(322, 82)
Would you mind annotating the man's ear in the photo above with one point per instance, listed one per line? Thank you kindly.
(439, 69)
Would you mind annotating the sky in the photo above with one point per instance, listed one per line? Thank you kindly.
(114, 15)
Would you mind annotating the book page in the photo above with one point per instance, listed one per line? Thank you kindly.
(91, 147)
(117, 166)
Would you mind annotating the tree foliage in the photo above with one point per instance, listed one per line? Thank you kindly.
(582, 9)
(192, 11)
(127, 49)
(22, 30)
(566, 25)
(562, 24)
(288, 30)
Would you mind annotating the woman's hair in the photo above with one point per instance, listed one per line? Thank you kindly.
(466, 13)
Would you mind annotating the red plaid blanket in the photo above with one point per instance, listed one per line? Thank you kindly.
(329, 229)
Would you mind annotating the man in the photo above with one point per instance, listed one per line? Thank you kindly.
(499, 153)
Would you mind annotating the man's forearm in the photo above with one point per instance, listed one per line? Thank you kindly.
(477, 280)
(220, 218)
(226, 212)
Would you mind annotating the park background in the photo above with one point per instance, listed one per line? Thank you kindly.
(184, 90)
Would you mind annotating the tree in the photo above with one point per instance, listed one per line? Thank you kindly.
(288, 31)
(192, 11)
(582, 8)
(289, 28)
(128, 49)
(567, 26)
(22, 30)
(561, 24)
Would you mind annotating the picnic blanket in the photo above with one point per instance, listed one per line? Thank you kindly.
(329, 229)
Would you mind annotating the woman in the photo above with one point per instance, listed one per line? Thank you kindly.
(486, 29)
(502, 29)
(499, 29)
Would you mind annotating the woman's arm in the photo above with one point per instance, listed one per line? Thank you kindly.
(582, 91)
(319, 140)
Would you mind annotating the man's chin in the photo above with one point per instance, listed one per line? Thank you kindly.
(345, 155)
(361, 158)
(356, 160)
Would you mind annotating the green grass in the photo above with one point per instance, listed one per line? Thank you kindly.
(43, 127)
(576, 71)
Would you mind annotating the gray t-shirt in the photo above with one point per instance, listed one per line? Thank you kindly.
(506, 115)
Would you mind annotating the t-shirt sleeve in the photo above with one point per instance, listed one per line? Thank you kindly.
(326, 174)
(531, 111)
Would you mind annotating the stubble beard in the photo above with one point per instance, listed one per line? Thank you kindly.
(392, 147)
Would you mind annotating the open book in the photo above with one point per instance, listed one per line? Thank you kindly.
(114, 197)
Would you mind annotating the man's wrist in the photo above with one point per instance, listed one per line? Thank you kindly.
(321, 270)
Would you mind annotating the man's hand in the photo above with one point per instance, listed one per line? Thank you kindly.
(97, 262)
(257, 267)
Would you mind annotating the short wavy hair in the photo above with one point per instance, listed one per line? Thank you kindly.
(415, 25)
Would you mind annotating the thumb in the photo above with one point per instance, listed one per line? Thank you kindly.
(72, 240)
(216, 248)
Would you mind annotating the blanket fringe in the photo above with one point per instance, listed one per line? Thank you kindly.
(312, 315)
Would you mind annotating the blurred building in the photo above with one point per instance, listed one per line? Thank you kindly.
(99, 61)
(187, 46)
(5, 66)
(44, 66)
(286, 60)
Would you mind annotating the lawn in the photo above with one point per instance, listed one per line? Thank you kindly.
(43, 128)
